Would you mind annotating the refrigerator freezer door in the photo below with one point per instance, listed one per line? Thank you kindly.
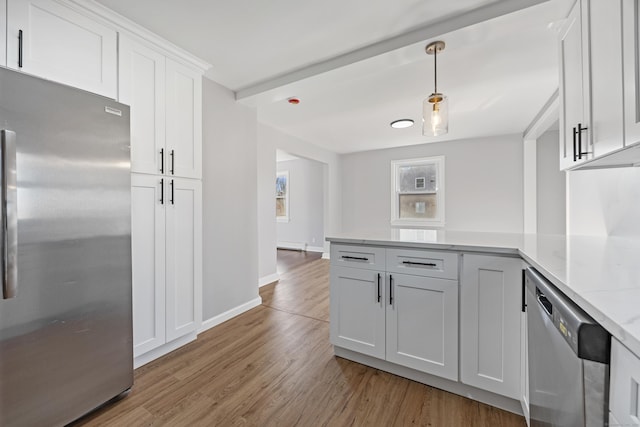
(65, 337)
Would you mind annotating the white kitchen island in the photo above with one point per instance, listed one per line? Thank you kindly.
(601, 275)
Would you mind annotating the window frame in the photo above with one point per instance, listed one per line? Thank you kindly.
(437, 222)
(285, 218)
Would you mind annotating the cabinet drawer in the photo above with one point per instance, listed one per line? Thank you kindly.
(624, 399)
(367, 257)
(442, 265)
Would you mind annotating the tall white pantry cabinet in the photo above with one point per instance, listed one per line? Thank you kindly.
(83, 44)
(166, 145)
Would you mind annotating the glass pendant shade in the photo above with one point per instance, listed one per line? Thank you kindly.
(435, 115)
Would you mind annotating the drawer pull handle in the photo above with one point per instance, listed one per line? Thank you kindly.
(379, 287)
(426, 264)
(390, 289)
(357, 258)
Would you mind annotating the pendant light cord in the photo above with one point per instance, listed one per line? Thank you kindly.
(435, 70)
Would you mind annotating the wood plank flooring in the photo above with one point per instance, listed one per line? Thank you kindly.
(274, 366)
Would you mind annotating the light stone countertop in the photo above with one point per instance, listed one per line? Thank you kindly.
(600, 274)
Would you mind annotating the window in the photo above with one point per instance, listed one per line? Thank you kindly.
(417, 192)
(282, 196)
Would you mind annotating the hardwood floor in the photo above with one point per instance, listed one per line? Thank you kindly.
(274, 366)
(288, 260)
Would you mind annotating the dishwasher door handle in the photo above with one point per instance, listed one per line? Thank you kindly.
(544, 302)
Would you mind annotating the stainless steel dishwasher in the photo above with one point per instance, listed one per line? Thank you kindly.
(568, 359)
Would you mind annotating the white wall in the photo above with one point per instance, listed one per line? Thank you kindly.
(604, 202)
(551, 185)
(483, 182)
(306, 203)
(230, 242)
(270, 139)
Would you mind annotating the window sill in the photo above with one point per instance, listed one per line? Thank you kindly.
(417, 223)
(282, 219)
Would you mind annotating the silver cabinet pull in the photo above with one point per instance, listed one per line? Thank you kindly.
(9, 214)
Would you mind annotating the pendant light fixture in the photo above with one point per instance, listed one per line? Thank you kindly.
(435, 109)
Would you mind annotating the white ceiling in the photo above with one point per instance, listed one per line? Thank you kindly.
(363, 62)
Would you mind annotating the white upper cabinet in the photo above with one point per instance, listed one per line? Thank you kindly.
(573, 90)
(3, 32)
(490, 317)
(596, 56)
(49, 40)
(605, 70)
(631, 30)
(184, 120)
(166, 111)
(142, 86)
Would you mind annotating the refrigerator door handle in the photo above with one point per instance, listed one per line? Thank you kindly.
(9, 214)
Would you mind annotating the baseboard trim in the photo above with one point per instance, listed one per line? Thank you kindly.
(229, 314)
(294, 246)
(315, 249)
(267, 280)
(326, 255)
(455, 387)
(167, 348)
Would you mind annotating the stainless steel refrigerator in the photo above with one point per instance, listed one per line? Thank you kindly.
(65, 251)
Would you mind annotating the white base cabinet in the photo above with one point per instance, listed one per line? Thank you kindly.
(48, 39)
(167, 261)
(357, 314)
(407, 319)
(624, 397)
(422, 324)
(490, 323)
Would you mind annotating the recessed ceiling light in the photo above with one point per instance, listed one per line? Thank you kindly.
(402, 123)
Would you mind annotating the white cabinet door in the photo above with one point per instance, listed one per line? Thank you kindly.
(572, 90)
(422, 324)
(3, 32)
(624, 398)
(631, 55)
(148, 257)
(184, 120)
(184, 256)
(604, 18)
(62, 45)
(357, 310)
(490, 304)
(142, 86)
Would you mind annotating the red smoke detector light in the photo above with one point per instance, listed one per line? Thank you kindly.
(293, 101)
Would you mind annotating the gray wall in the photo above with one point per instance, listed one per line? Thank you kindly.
(306, 203)
(551, 185)
(483, 184)
(604, 202)
(270, 139)
(230, 242)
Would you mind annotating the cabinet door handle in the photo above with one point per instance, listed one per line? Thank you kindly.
(172, 200)
(162, 160)
(379, 293)
(426, 264)
(162, 191)
(173, 161)
(579, 132)
(358, 258)
(575, 142)
(390, 289)
(19, 48)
